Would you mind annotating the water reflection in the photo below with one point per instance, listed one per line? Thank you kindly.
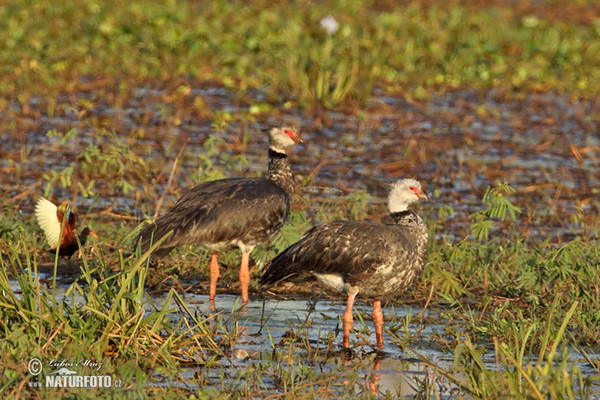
(269, 330)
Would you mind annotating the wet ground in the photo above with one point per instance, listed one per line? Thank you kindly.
(265, 325)
(544, 145)
(457, 144)
(399, 372)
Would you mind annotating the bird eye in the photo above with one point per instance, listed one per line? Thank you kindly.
(412, 188)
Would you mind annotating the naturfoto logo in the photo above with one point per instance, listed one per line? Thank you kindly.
(66, 376)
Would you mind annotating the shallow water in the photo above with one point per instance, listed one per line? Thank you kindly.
(265, 323)
(544, 145)
(398, 370)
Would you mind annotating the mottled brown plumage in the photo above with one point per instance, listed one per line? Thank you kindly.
(230, 213)
(373, 259)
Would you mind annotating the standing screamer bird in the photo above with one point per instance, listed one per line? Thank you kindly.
(373, 259)
(50, 218)
(230, 213)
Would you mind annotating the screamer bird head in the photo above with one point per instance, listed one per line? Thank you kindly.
(403, 193)
(282, 138)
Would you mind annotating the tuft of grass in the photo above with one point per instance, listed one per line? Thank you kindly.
(519, 369)
(512, 306)
(499, 273)
(99, 317)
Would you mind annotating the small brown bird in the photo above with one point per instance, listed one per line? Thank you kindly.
(51, 218)
(229, 213)
(373, 259)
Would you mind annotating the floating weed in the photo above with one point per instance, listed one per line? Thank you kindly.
(399, 328)
(108, 155)
(499, 273)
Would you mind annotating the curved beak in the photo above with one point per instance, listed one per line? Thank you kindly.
(296, 139)
(420, 194)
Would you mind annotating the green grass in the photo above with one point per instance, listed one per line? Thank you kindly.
(531, 301)
(56, 47)
(494, 292)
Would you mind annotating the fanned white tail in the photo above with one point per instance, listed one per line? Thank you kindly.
(45, 213)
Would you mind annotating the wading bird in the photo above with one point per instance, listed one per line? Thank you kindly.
(50, 218)
(230, 213)
(373, 259)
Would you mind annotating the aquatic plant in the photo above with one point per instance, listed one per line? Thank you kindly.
(121, 106)
(283, 46)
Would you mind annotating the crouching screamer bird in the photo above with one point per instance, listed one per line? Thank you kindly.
(58, 225)
(229, 213)
(374, 259)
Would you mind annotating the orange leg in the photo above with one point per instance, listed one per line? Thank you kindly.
(373, 382)
(348, 320)
(378, 321)
(214, 276)
(245, 276)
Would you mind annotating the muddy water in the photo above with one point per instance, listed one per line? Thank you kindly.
(397, 371)
(544, 145)
(266, 322)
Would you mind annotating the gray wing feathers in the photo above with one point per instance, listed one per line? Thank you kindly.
(349, 249)
(229, 209)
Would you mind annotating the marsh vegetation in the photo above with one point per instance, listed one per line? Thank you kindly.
(121, 106)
